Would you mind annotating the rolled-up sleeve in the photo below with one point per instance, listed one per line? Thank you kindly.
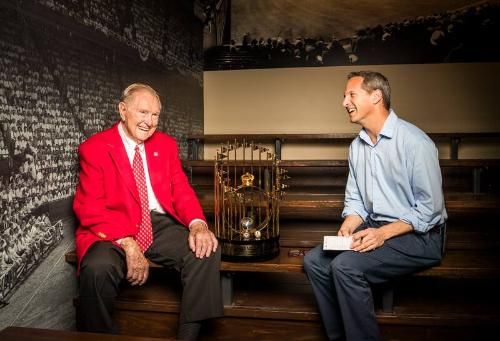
(428, 208)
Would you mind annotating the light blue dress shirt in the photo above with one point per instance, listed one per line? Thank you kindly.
(397, 178)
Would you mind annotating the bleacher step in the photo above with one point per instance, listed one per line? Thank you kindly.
(289, 297)
(329, 206)
(455, 264)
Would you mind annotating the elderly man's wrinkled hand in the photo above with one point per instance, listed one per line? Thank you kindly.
(201, 240)
(137, 264)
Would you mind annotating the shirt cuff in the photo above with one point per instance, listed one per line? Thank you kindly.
(118, 242)
(418, 225)
(197, 220)
(352, 211)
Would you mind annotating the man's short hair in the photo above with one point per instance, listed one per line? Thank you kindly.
(374, 81)
(135, 87)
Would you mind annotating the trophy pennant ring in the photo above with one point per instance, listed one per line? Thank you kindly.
(248, 188)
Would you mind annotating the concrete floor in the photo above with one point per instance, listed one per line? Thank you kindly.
(45, 299)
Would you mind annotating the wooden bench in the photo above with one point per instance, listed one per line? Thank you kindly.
(474, 176)
(29, 334)
(312, 206)
(266, 294)
(196, 141)
(329, 206)
(456, 264)
(273, 297)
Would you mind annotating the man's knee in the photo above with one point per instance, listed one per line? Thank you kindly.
(101, 270)
(214, 259)
(308, 262)
(216, 255)
(346, 264)
(312, 261)
(98, 268)
(211, 262)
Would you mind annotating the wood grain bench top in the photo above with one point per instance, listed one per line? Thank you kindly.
(462, 163)
(288, 296)
(455, 264)
(29, 334)
(328, 205)
(324, 137)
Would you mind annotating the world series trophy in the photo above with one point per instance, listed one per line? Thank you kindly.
(247, 195)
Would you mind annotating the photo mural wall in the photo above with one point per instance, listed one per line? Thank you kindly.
(289, 33)
(63, 65)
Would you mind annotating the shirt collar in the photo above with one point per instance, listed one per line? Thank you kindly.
(127, 141)
(389, 125)
(387, 130)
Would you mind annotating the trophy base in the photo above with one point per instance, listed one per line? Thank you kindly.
(249, 250)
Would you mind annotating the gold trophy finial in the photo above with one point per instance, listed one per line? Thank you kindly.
(247, 179)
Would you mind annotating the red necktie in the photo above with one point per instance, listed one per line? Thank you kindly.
(145, 235)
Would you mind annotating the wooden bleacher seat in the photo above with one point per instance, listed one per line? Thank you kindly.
(196, 141)
(329, 206)
(273, 299)
(29, 334)
(455, 264)
(266, 299)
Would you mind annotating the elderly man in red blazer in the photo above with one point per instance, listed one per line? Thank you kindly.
(134, 203)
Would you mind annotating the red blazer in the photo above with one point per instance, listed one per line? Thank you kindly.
(106, 199)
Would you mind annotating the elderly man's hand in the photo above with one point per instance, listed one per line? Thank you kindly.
(201, 240)
(137, 264)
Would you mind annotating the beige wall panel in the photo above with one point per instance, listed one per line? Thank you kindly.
(435, 97)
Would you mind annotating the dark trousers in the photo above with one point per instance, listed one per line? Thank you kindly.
(341, 281)
(104, 267)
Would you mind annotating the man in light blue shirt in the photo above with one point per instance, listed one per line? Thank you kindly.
(394, 211)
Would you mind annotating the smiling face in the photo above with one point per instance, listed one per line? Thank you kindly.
(358, 102)
(140, 115)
